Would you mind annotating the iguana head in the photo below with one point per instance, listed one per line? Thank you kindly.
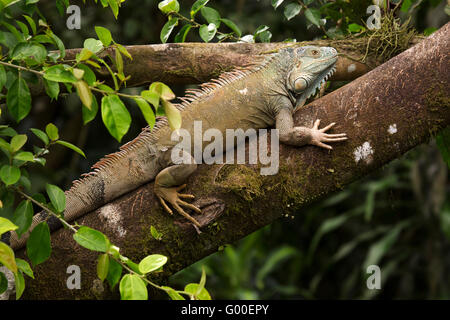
(311, 68)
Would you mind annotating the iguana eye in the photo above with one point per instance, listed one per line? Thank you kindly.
(315, 52)
(300, 85)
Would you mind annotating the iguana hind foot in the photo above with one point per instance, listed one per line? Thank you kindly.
(169, 182)
(173, 197)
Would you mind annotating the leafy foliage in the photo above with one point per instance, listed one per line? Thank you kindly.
(32, 51)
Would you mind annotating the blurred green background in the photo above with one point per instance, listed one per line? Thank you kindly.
(397, 218)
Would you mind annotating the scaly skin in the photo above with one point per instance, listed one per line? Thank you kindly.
(261, 96)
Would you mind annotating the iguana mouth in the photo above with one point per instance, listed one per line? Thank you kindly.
(324, 76)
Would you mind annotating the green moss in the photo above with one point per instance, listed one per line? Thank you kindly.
(390, 39)
(241, 180)
(436, 98)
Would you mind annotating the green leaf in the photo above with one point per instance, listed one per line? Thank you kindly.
(429, 31)
(173, 294)
(114, 7)
(151, 263)
(9, 174)
(78, 73)
(207, 32)
(7, 257)
(132, 287)
(162, 90)
(291, 10)
(38, 244)
(23, 216)
(443, 143)
(202, 282)
(93, 45)
(168, 6)
(24, 156)
(89, 75)
(104, 35)
(84, 54)
(193, 287)
(146, 111)
(167, 29)
(32, 53)
(115, 116)
(41, 135)
(273, 260)
(354, 27)
(3, 283)
(102, 266)
(114, 273)
(197, 6)
(20, 284)
(84, 93)
(5, 146)
(8, 132)
(173, 115)
(58, 42)
(52, 131)
(92, 239)
(211, 15)
(313, 15)
(51, 88)
(6, 225)
(124, 51)
(19, 37)
(23, 27)
(89, 115)
(59, 74)
(406, 5)
(57, 197)
(276, 3)
(2, 76)
(182, 34)
(382, 246)
(263, 33)
(230, 24)
(31, 23)
(327, 225)
(155, 233)
(106, 88)
(71, 146)
(24, 267)
(17, 142)
(18, 99)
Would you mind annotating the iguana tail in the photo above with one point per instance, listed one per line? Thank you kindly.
(135, 164)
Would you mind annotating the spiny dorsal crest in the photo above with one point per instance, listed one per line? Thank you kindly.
(150, 136)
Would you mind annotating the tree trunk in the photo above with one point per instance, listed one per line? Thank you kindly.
(385, 113)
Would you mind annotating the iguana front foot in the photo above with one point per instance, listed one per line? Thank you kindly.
(319, 136)
(172, 196)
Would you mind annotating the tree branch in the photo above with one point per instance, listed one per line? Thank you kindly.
(385, 113)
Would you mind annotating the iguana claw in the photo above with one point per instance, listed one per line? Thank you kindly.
(319, 136)
(172, 196)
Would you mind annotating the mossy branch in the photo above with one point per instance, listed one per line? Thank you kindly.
(409, 92)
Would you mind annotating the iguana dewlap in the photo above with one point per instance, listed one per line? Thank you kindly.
(260, 96)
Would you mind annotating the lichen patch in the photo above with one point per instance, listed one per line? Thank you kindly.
(392, 129)
(364, 153)
(113, 218)
(351, 68)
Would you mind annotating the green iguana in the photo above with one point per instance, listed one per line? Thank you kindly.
(258, 96)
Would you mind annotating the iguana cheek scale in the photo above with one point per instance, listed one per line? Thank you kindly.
(259, 96)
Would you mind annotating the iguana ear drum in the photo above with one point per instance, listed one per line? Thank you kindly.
(300, 84)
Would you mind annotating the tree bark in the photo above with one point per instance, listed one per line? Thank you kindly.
(190, 63)
(385, 113)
